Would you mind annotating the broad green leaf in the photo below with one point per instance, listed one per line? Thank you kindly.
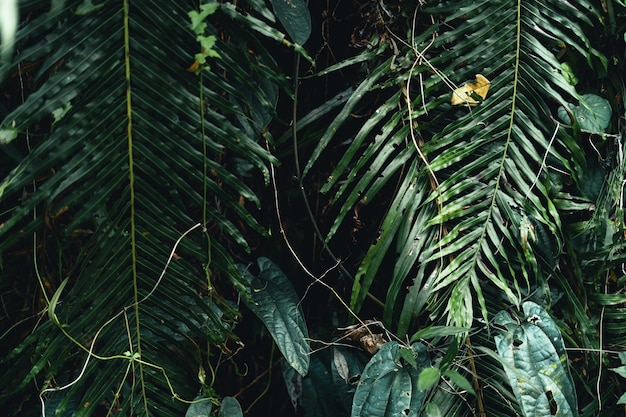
(593, 113)
(432, 410)
(320, 396)
(295, 17)
(534, 358)
(428, 378)
(230, 408)
(389, 387)
(274, 301)
(459, 380)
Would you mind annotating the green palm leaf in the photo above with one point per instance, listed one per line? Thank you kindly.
(141, 150)
(474, 177)
(474, 221)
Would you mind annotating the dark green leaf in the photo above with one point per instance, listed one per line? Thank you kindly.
(274, 301)
(295, 17)
(593, 113)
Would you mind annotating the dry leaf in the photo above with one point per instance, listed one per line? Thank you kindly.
(466, 94)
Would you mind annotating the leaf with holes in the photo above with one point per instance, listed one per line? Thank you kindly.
(389, 385)
(275, 302)
(534, 358)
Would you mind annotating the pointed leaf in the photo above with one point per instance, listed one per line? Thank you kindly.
(274, 301)
(295, 17)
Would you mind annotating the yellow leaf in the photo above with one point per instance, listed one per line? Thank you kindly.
(464, 94)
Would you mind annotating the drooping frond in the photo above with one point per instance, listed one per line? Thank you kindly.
(476, 179)
(477, 193)
(119, 143)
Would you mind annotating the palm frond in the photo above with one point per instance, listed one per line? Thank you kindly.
(140, 150)
(481, 197)
(482, 173)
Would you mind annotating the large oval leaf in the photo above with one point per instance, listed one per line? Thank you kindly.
(593, 113)
(230, 408)
(275, 302)
(534, 358)
(200, 407)
(388, 386)
(295, 17)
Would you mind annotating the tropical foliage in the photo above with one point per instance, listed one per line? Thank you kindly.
(452, 185)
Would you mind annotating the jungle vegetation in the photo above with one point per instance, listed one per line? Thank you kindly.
(340, 208)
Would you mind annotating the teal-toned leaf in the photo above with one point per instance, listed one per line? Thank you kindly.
(230, 408)
(295, 17)
(201, 407)
(320, 396)
(388, 387)
(275, 302)
(535, 361)
(593, 113)
(620, 370)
